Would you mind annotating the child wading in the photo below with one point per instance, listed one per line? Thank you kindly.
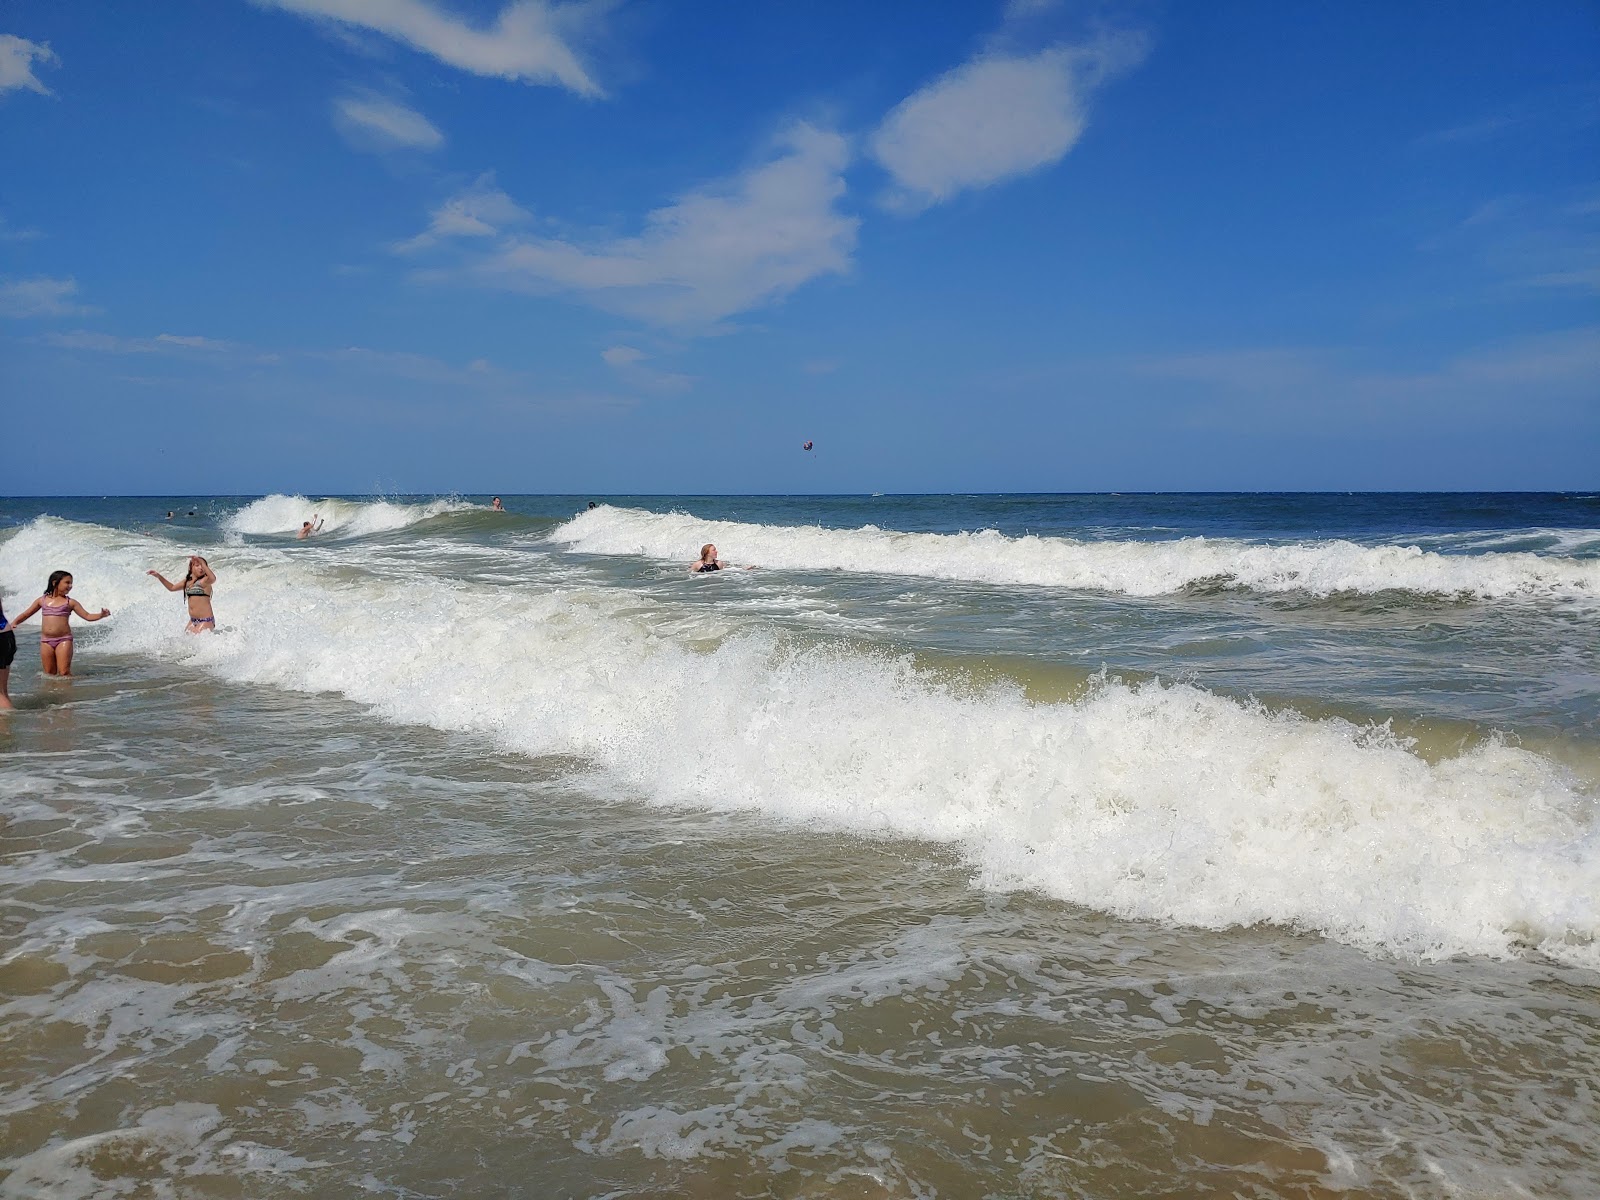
(55, 630)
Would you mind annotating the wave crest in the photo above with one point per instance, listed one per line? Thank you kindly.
(351, 518)
(1134, 568)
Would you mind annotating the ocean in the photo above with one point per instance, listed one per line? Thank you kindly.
(967, 846)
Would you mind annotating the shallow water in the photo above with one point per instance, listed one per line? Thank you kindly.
(493, 855)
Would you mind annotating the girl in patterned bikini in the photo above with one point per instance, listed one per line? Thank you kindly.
(55, 629)
(197, 586)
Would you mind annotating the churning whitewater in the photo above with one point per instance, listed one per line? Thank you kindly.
(1134, 568)
(1152, 798)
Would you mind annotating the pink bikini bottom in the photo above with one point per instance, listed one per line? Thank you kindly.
(55, 641)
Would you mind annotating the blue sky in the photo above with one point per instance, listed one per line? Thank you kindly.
(636, 246)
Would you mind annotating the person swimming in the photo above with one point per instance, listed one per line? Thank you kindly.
(497, 506)
(708, 562)
(196, 588)
(307, 528)
(56, 608)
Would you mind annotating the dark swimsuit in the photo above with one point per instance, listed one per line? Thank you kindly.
(711, 566)
(198, 589)
(8, 644)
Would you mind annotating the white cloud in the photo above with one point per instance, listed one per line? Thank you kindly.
(39, 297)
(994, 118)
(369, 121)
(481, 211)
(529, 41)
(720, 250)
(17, 57)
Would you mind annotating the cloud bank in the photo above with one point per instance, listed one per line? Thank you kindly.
(530, 41)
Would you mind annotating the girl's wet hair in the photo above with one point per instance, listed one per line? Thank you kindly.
(55, 581)
(189, 574)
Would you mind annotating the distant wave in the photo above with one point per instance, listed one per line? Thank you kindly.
(1163, 802)
(284, 514)
(1135, 568)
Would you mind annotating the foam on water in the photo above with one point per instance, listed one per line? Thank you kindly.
(1158, 801)
(1135, 568)
(284, 514)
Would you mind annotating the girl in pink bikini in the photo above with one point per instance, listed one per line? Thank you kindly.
(55, 633)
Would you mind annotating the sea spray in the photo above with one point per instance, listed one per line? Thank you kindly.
(285, 514)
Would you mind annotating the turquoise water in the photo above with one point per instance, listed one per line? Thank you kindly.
(966, 846)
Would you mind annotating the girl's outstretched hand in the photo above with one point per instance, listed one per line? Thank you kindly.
(105, 612)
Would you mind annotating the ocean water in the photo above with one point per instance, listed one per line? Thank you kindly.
(968, 846)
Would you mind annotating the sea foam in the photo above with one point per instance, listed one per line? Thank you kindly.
(1158, 801)
(1135, 568)
(285, 514)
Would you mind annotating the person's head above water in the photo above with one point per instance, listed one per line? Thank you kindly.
(61, 580)
(708, 552)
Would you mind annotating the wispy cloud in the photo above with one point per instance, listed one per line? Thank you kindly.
(9, 233)
(629, 365)
(1531, 240)
(531, 41)
(1256, 390)
(722, 249)
(162, 343)
(40, 297)
(17, 56)
(480, 211)
(1001, 115)
(372, 122)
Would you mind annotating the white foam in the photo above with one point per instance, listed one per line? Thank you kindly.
(285, 514)
(1156, 801)
(1135, 568)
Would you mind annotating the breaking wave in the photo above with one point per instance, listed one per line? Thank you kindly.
(1158, 801)
(1135, 568)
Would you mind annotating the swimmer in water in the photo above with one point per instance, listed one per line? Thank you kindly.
(55, 628)
(197, 586)
(497, 506)
(307, 528)
(708, 561)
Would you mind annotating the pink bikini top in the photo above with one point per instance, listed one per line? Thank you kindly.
(56, 610)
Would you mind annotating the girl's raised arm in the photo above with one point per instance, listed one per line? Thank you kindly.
(86, 615)
(165, 582)
(25, 614)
